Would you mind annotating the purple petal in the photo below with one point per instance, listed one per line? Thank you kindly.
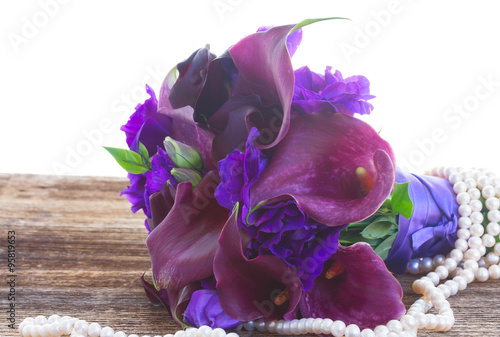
(316, 165)
(247, 287)
(192, 74)
(264, 62)
(204, 309)
(183, 245)
(175, 301)
(365, 294)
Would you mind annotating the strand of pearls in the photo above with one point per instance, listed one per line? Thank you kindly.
(464, 264)
(56, 326)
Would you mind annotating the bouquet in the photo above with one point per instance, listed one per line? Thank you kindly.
(271, 206)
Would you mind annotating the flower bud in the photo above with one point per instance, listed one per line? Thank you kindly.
(184, 156)
(182, 174)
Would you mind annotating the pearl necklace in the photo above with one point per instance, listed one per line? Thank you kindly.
(467, 262)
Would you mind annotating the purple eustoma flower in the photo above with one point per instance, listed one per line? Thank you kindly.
(432, 227)
(330, 92)
(204, 309)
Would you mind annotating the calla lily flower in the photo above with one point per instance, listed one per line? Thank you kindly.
(182, 247)
(249, 289)
(356, 288)
(317, 164)
(175, 301)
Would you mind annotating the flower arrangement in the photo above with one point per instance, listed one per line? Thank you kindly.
(270, 204)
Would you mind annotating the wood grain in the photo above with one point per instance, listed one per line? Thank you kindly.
(81, 252)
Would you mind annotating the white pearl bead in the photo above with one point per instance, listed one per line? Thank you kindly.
(434, 277)
(231, 334)
(496, 249)
(294, 327)
(338, 328)
(468, 274)
(54, 318)
(488, 240)
(279, 327)
(205, 331)
(460, 187)
(33, 330)
(475, 242)
(463, 198)
(76, 334)
(121, 334)
(249, 326)
(482, 263)
(457, 255)
(494, 271)
(217, 332)
(471, 265)
(453, 287)
(65, 326)
(442, 272)
(461, 281)
(495, 181)
(107, 332)
(464, 222)
(464, 210)
(493, 228)
(492, 203)
(472, 254)
(492, 258)
(470, 182)
(474, 193)
(40, 320)
(367, 333)
(482, 275)
(488, 192)
(409, 322)
(483, 181)
(482, 250)
(477, 229)
(94, 330)
(447, 171)
(414, 266)
(432, 321)
(445, 289)
(395, 326)
(352, 330)
(316, 326)
(476, 205)
(26, 332)
(463, 234)
(455, 178)
(325, 326)
(191, 332)
(497, 190)
(81, 326)
(476, 217)
(270, 326)
(494, 215)
(450, 264)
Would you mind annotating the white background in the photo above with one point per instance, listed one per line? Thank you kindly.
(72, 71)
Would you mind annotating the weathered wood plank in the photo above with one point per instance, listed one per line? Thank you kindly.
(81, 252)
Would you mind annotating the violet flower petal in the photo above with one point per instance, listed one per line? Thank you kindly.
(316, 165)
(365, 294)
(204, 309)
(247, 287)
(175, 301)
(183, 245)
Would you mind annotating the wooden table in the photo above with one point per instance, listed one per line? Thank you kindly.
(80, 252)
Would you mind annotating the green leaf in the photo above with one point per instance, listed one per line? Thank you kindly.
(350, 237)
(129, 160)
(385, 246)
(378, 230)
(400, 200)
(143, 152)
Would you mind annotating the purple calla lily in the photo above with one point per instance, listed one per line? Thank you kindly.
(316, 164)
(354, 287)
(182, 247)
(250, 288)
(175, 301)
(192, 75)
